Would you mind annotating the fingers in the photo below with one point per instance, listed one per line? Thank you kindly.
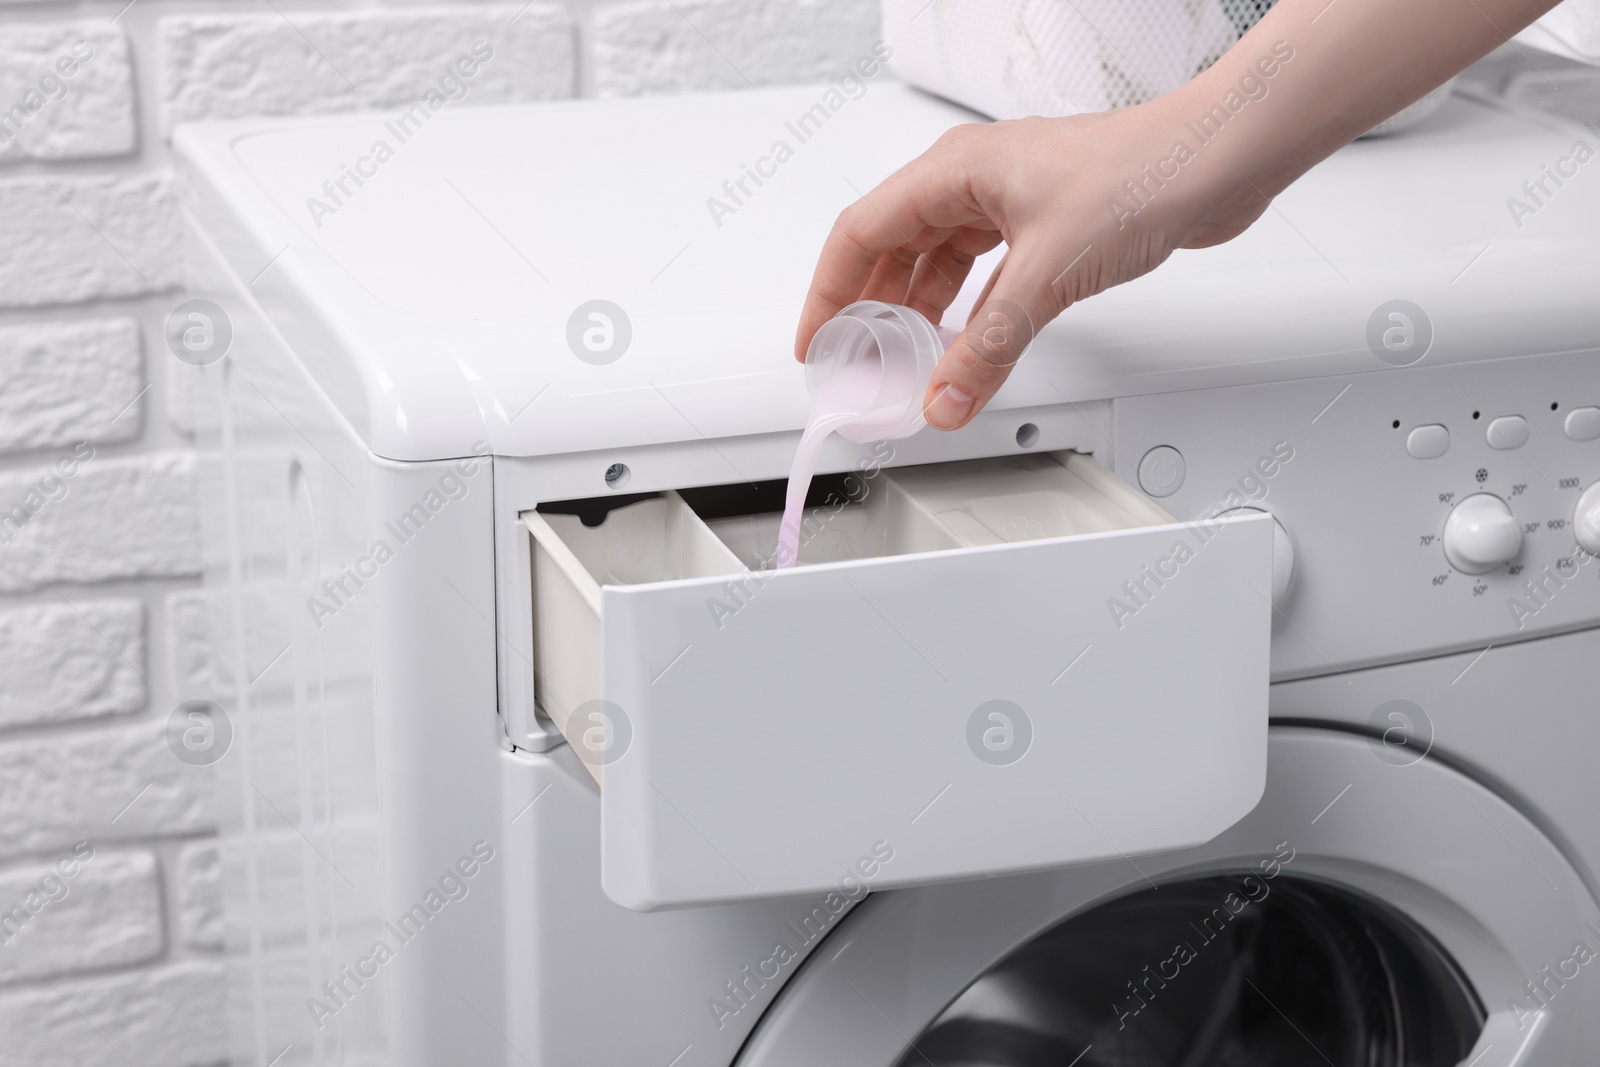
(876, 241)
(892, 276)
(942, 271)
(1020, 294)
(861, 237)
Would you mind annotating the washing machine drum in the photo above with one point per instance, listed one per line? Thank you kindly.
(1211, 972)
(1368, 913)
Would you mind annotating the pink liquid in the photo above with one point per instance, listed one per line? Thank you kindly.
(843, 398)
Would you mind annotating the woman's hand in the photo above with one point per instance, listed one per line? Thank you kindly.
(1052, 190)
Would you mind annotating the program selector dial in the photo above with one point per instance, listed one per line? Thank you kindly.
(1481, 534)
(1586, 520)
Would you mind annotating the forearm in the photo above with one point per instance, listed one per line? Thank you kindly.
(1355, 63)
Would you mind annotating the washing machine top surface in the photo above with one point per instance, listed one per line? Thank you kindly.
(598, 274)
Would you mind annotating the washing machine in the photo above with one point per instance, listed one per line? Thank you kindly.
(1223, 693)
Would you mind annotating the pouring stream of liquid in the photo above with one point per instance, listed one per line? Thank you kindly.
(844, 397)
(806, 458)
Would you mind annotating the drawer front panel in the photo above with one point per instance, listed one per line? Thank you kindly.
(967, 712)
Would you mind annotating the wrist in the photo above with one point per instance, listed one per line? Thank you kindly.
(1186, 159)
(1239, 121)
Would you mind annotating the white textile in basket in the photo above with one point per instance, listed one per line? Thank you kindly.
(1571, 29)
(1010, 58)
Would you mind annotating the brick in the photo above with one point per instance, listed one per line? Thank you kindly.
(220, 66)
(71, 661)
(50, 113)
(199, 879)
(186, 399)
(113, 518)
(174, 1016)
(69, 239)
(190, 620)
(657, 46)
(105, 913)
(104, 783)
(64, 382)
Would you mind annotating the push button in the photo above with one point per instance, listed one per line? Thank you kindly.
(1508, 431)
(1583, 424)
(1428, 442)
(1161, 471)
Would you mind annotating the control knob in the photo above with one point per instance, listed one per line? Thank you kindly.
(1586, 520)
(1481, 534)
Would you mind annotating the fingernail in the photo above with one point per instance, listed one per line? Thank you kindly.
(949, 407)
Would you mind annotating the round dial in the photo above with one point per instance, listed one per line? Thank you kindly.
(1481, 534)
(1586, 520)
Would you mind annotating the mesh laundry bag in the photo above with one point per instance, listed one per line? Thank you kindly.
(1009, 58)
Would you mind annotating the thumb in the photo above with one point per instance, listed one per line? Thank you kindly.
(1017, 296)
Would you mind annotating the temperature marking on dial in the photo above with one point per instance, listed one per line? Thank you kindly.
(1514, 570)
(1439, 579)
(1529, 527)
(1518, 490)
(1479, 589)
(1428, 539)
(1445, 498)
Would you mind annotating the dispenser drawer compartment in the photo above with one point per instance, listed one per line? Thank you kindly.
(978, 667)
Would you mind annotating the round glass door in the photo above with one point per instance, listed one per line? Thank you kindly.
(1215, 972)
(1363, 915)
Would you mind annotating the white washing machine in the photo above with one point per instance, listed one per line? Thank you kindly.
(1224, 693)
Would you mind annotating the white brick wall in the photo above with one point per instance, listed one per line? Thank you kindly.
(71, 238)
(102, 629)
(107, 914)
(71, 661)
(165, 1014)
(220, 66)
(65, 382)
(664, 46)
(65, 89)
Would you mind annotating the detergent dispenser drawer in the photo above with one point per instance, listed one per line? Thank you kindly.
(977, 667)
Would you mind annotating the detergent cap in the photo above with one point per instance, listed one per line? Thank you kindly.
(875, 360)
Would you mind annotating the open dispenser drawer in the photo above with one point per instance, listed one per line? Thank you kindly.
(977, 667)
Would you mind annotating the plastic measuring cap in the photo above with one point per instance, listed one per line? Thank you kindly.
(877, 358)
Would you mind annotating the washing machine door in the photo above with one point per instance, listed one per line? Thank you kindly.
(1365, 913)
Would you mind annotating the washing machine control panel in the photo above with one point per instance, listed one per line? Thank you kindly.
(1430, 508)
